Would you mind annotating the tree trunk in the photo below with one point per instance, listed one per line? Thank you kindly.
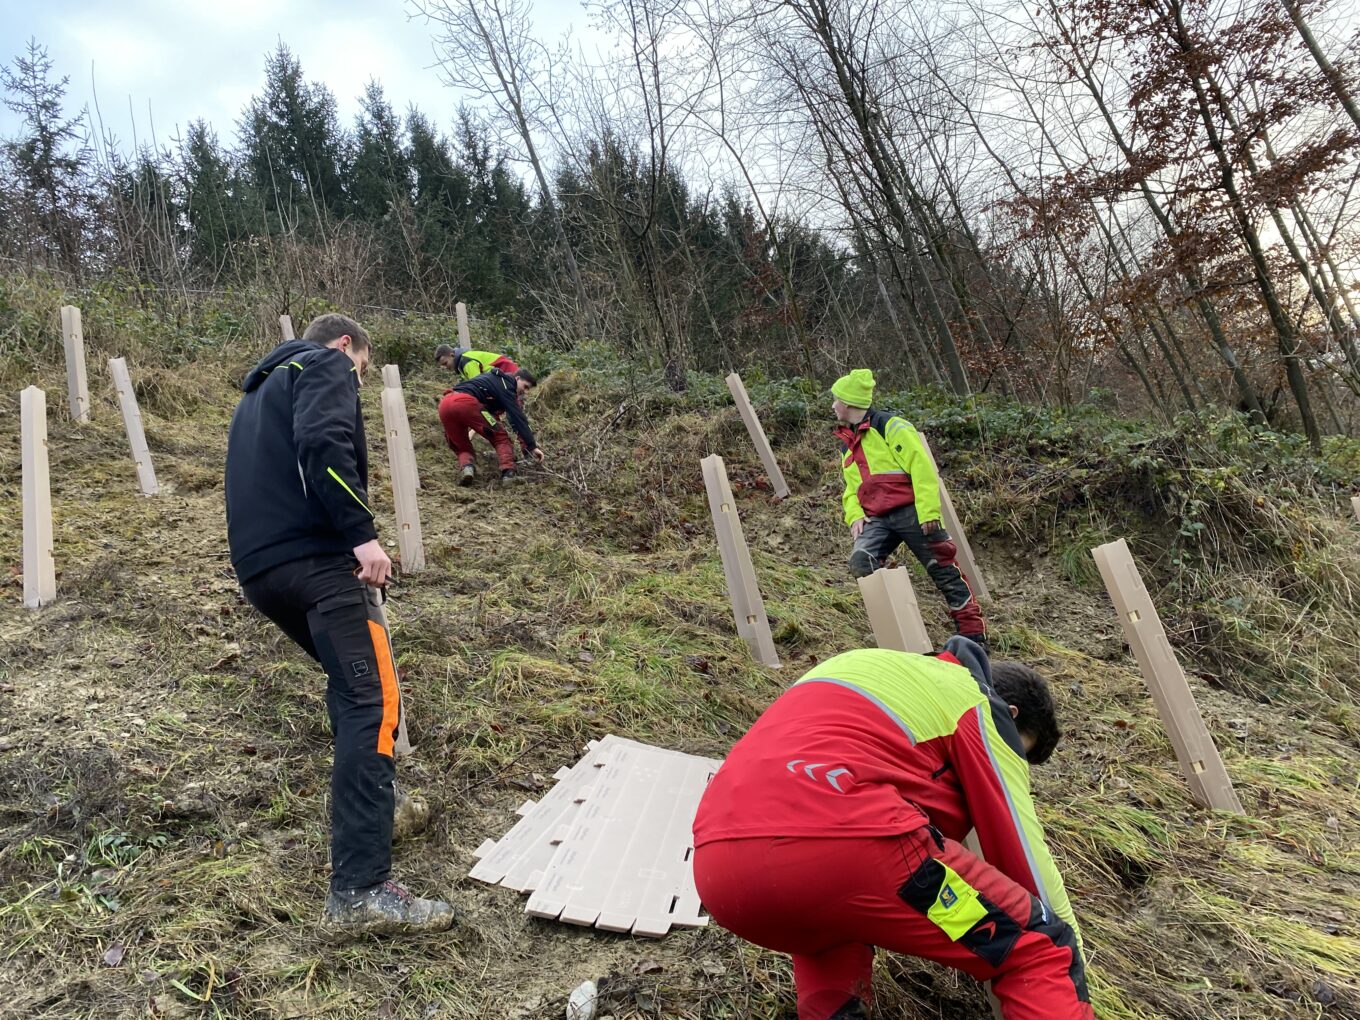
(1246, 391)
(1333, 76)
(1284, 329)
(816, 16)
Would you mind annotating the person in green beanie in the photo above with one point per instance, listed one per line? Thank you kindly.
(892, 496)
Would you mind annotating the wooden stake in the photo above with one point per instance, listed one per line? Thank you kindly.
(286, 325)
(893, 611)
(954, 526)
(460, 310)
(77, 389)
(757, 432)
(748, 607)
(1200, 763)
(1355, 505)
(132, 421)
(40, 574)
(403, 473)
(392, 381)
(402, 745)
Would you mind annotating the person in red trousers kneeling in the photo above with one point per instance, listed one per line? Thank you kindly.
(834, 826)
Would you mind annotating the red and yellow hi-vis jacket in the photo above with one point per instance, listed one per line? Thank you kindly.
(875, 742)
(886, 466)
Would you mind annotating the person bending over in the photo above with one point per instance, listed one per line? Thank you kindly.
(475, 406)
(469, 364)
(834, 826)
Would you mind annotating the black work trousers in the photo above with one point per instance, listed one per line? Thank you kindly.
(320, 604)
(881, 537)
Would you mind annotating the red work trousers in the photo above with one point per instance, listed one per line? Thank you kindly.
(461, 414)
(829, 902)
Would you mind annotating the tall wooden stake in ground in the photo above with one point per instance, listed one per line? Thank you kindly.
(1200, 763)
(757, 432)
(1355, 505)
(286, 327)
(460, 310)
(392, 381)
(747, 606)
(132, 421)
(954, 526)
(73, 337)
(402, 467)
(40, 574)
(893, 611)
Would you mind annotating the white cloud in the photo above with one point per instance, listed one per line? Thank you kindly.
(205, 58)
(234, 16)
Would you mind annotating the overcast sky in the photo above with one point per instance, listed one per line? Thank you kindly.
(178, 60)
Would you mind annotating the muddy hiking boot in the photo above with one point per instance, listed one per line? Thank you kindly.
(383, 909)
(467, 474)
(509, 477)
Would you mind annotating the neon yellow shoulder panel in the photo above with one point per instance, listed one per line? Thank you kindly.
(925, 695)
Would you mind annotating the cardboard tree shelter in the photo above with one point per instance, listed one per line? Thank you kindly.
(77, 387)
(286, 327)
(464, 335)
(611, 844)
(748, 608)
(757, 433)
(1355, 505)
(40, 575)
(893, 611)
(392, 380)
(954, 526)
(975, 847)
(401, 465)
(132, 422)
(1199, 759)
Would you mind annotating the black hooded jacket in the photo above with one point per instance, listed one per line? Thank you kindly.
(297, 461)
(499, 394)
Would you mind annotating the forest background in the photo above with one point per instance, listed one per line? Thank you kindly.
(1146, 205)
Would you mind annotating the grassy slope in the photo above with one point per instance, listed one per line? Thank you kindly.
(162, 787)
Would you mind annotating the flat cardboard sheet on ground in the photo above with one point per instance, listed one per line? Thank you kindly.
(609, 845)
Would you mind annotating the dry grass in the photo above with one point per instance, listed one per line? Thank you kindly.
(162, 790)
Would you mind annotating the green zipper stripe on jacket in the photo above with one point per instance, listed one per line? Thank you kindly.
(296, 365)
(331, 471)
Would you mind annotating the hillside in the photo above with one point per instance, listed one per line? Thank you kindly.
(164, 752)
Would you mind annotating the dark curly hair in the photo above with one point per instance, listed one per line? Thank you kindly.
(1020, 686)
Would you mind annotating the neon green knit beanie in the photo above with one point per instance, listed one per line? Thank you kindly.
(855, 389)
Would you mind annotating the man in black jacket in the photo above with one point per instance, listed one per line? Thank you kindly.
(475, 405)
(305, 548)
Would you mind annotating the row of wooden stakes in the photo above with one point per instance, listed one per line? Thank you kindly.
(40, 582)
(40, 586)
(889, 599)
